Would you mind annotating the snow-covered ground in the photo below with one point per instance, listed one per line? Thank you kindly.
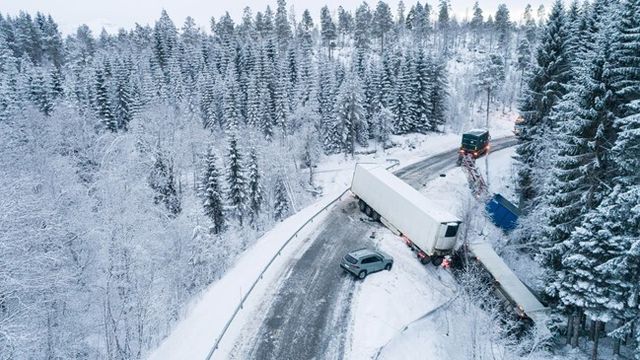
(206, 316)
(409, 313)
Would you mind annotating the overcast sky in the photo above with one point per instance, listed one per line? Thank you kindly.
(114, 14)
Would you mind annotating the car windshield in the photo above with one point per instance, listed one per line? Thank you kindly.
(350, 259)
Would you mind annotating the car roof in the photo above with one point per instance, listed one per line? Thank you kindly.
(360, 253)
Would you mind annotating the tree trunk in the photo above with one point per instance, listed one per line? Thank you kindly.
(576, 329)
(570, 322)
(616, 346)
(592, 330)
(596, 338)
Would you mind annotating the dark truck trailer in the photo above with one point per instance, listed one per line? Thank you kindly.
(502, 213)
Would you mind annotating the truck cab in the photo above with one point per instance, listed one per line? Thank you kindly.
(475, 143)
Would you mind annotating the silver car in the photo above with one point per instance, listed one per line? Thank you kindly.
(363, 262)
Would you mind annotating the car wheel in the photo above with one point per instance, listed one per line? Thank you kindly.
(362, 274)
(437, 260)
(388, 267)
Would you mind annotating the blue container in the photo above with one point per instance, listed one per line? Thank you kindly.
(502, 213)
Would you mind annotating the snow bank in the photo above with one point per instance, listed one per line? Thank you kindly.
(206, 316)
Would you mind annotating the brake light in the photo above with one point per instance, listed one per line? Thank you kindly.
(446, 262)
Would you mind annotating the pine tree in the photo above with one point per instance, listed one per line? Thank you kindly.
(211, 193)
(281, 206)
(490, 76)
(345, 23)
(362, 25)
(254, 187)
(237, 192)
(545, 86)
(476, 23)
(503, 28)
(382, 22)
(328, 29)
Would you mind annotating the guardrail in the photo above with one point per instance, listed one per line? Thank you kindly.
(396, 162)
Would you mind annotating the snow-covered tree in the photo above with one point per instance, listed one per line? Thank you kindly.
(350, 115)
(281, 207)
(545, 86)
(255, 192)
(236, 181)
(211, 193)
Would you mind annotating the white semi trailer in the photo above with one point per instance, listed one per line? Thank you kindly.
(429, 231)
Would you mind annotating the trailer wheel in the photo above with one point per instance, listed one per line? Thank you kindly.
(361, 205)
(437, 260)
(362, 274)
(376, 216)
(425, 260)
(368, 211)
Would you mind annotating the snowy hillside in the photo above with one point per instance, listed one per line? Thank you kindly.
(147, 173)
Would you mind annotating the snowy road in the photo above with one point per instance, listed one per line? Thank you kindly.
(308, 315)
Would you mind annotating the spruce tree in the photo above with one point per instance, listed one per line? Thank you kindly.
(545, 86)
(350, 115)
(211, 193)
(103, 102)
(582, 176)
(403, 101)
(254, 187)
(421, 89)
(281, 207)
(236, 180)
(439, 93)
(282, 26)
(123, 109)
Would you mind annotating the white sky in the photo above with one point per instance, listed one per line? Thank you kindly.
(114, 14)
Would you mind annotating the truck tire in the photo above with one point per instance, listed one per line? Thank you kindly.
(425, 260)
(368, 211)
(361, 205)
(362, 274)
(437, 260)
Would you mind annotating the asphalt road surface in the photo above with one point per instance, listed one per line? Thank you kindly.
(309, 314)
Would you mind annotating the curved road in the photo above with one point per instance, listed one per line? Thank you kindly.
(309, 316)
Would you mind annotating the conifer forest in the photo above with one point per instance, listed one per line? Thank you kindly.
(136, 166)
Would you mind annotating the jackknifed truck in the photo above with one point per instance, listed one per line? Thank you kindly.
(429, 231)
